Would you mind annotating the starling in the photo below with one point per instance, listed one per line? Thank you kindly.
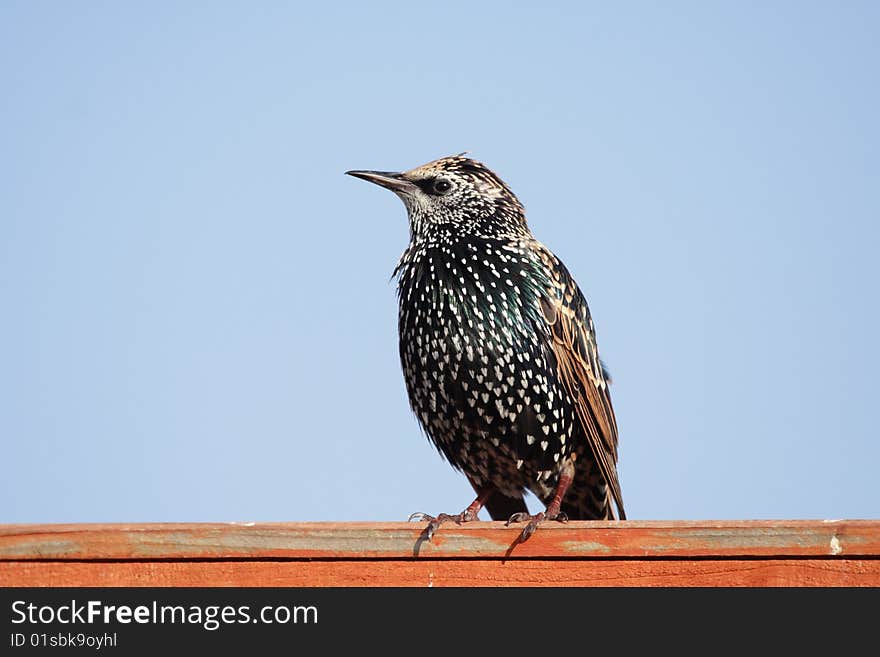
(499, 352)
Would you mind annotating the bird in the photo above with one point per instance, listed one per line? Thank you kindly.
(498, 352)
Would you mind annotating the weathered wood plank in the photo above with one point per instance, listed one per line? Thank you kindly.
(451, 572)
(632, 553)
(611, 540)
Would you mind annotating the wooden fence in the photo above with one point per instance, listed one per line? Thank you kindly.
(631, 553)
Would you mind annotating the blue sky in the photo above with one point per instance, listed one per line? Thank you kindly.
(198, 322)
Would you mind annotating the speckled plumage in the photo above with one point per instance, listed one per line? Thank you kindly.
(498, 350)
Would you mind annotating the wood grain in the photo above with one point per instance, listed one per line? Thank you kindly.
(522, 572)
(630, 553)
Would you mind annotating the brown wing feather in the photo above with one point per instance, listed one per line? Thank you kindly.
(580, 370)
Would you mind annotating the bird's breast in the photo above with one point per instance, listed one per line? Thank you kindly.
(476, 358)
(469, 304)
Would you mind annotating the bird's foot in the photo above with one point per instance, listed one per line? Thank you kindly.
(534, 521)
(434, 522)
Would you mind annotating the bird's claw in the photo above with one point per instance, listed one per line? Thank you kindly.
(533, 522)
(522, 516)
(435, 522)
(419, 516)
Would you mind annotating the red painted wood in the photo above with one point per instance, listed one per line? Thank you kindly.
(659, 539)
(631, 553)
(433, 572)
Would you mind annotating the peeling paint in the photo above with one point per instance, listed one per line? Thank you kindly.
(585, 546)
(836, 547)
(735, 539)
(41, 548)
(247, 540)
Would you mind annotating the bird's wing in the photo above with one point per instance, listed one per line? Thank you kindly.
(574, 344)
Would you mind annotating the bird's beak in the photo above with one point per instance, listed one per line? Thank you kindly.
(388, 179)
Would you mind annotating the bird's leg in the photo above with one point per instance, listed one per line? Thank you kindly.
(468, 515)
(552, 512)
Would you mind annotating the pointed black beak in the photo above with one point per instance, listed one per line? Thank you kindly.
(388, 179)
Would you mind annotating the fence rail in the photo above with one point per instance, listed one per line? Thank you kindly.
(630, 553)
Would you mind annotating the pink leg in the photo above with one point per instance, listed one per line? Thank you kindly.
(468, 515)
(552, 512)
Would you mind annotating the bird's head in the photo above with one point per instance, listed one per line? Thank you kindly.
(453, 197)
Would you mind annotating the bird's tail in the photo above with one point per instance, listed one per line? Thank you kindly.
(590, 498)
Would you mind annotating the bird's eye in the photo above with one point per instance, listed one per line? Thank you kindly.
(441, 186)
